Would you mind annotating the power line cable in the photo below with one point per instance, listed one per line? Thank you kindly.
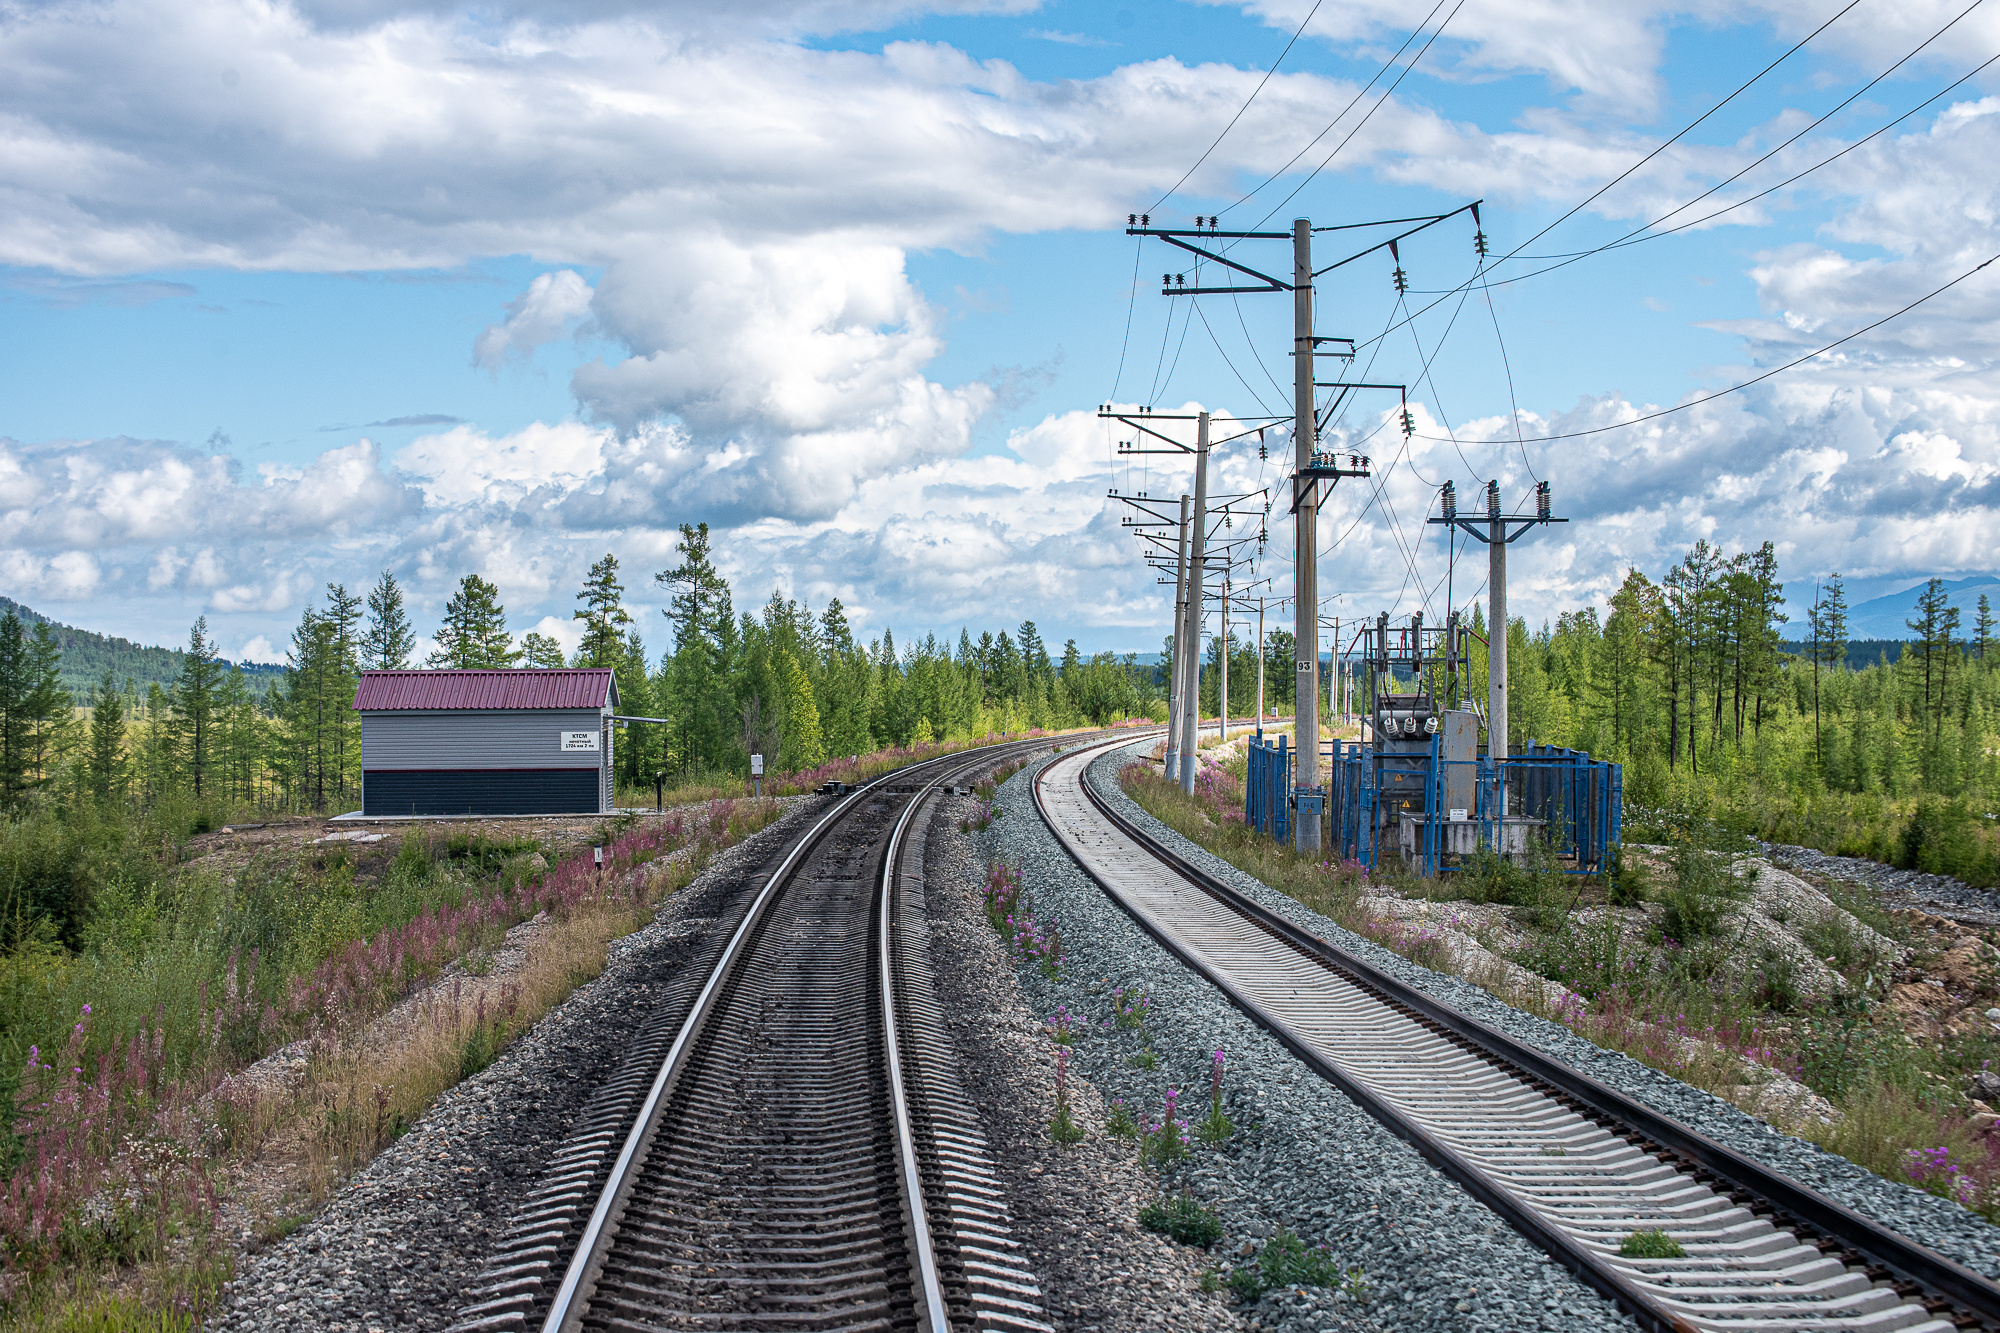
(1634, 238)
(1680, 134)
(1387, 65)
(1131, 303)
(1737, 388)
(1241, 109)
(1362, 124)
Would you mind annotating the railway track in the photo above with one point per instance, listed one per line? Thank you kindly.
(788, 1146)
(1574, 1165)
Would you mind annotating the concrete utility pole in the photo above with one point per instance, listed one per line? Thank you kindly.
(1498, 530)
(1222, 695)
(1197, 541)
(1179, 663)
(1496, 627)
(1305, 539)
(1260, 664)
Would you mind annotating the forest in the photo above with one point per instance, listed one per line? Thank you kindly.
(788, 682)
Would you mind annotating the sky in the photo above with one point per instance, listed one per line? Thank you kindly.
(292, 294)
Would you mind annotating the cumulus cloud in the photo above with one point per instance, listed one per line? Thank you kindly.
(750, 200)
(539, 315)
(258, 649)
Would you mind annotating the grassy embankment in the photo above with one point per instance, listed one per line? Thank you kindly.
(1684, 1001)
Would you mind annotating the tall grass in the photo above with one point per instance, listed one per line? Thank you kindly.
(125, 1116)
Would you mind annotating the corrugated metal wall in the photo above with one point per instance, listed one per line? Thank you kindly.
(487, 739)
(558, 791)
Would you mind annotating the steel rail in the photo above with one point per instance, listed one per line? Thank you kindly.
(566, 1308)
(1915, 1264)
(930, 1291)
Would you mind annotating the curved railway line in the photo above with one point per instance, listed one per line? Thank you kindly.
(1572, 1164)
(787, 1146)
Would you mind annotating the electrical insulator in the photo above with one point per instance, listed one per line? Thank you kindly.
(1542, 500)
(1448, 499)
(1263, 452)
(1145, 219)
(1180, 279)
(1166, 279)
(1409, 423)
(1479, 244)
(1402, 279)
(1131, 219)
(1492, 499)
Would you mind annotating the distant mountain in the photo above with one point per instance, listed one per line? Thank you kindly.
(86, 654)
(1884, 617)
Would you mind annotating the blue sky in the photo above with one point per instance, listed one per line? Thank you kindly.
(353, 285)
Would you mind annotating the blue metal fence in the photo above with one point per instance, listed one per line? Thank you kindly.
(1552, 795)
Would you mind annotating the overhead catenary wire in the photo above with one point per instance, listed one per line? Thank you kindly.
(1759, 379)
(1362, 124)
(1241, 109)
(1678, 135)
(1360, 93)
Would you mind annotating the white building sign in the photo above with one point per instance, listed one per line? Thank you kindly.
(571, 741)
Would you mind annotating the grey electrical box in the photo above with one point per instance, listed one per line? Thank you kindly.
(1458, 749)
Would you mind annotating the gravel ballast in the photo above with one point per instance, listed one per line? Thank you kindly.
(1931, 1221)
(1897, 888)
(401, 1242)
(1303, 1155)
(1073, 1208)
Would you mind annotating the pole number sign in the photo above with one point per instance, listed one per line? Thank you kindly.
(571, 741)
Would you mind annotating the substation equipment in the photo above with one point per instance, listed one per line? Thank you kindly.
(1418, 786)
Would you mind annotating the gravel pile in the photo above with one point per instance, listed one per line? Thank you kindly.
(399, 1245)
(1303, 1156)
(1925, 1218)
(1074, 1208)
(1897, 887)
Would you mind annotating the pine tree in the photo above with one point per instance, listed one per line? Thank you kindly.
(389, 640)
(701, 595)
(603, 615)
(539, 650)
(1982, 628)
(1935, 622)
(193, 705)
(50, 714)
(105, 762)
(15, 730)
(474, 635)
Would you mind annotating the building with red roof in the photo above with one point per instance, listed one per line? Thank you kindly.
(511, 742)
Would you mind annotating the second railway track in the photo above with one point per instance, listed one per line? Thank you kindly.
(1572, 1164)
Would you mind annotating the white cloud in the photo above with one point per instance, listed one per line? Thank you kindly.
(539, 315)
(63, 577)
(258, 649)
(566, 631)
(464, 465)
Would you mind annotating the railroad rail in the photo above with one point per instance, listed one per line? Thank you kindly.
(788, 1145)
(1574, 1165)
